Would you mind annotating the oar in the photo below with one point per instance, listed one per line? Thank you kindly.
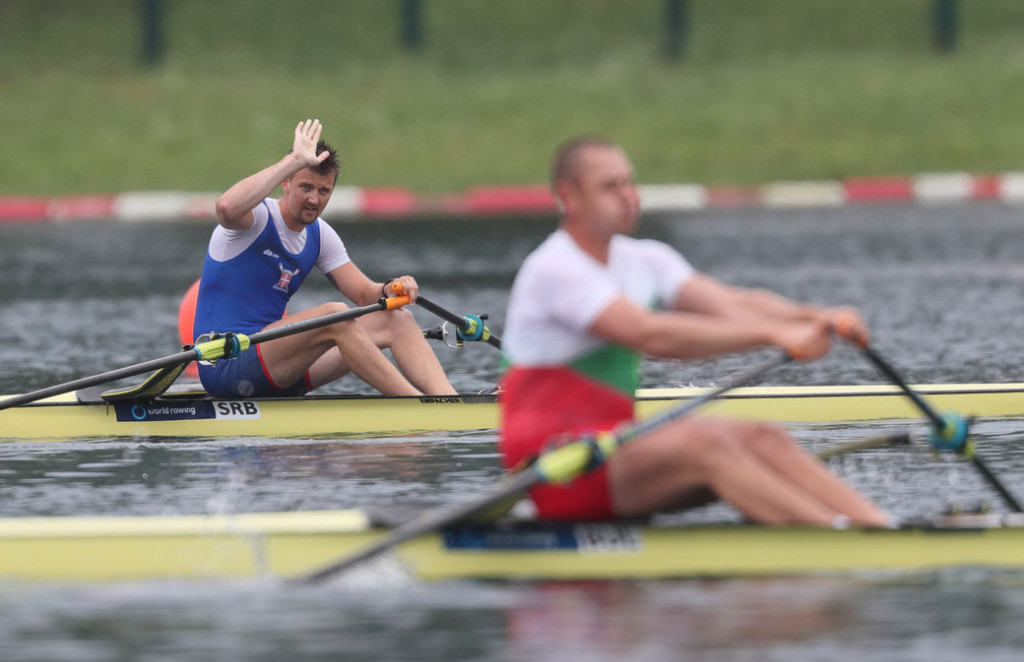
(442, 333)
(470, 327)
(878, 441)
(561, 464)
(226, 346)
(949, 432)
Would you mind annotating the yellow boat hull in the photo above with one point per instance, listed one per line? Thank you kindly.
(288, 545)
(64, 417)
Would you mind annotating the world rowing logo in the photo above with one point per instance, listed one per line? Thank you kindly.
(286, 278)
(185, 410)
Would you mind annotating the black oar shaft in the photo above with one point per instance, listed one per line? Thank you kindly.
(459, 321)
(895, 378)
(324, 320)
(996, 484)
(940, 424)
(192, 354)
(440, 312)
(880, 441)
(102, 378)
(514, 485)
(432, 520)
(743, 379)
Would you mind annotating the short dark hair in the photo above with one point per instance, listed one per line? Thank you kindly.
(330, 165)
(566, 162)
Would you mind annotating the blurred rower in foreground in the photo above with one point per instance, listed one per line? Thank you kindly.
(261, 252)
(581, 314)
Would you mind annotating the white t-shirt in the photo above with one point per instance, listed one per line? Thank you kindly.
(226, 244)
(560, 290)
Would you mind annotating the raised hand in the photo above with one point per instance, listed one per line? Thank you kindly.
(304, 148)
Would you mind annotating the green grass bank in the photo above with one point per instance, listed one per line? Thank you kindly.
(766, 91)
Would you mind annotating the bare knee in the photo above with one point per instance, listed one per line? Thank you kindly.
(402, 322)
(321, 334)
(719, 444)
(708, 445)
(766, 438)
(717, 448)
(333, 308)
(674, 467)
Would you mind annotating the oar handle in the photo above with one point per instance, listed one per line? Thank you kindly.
(400, 299)
(396, 302)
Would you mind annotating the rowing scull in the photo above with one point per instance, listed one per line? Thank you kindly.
(285, 545)
(71, 416)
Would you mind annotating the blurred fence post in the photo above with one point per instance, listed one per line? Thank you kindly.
(151, 12)
(944, 24)
(411, 25)
(675, 28)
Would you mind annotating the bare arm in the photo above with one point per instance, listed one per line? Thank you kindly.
(705, 295)
(234, 207)
(686, 335)
(357, 286)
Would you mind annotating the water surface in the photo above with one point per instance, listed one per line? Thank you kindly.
(943, 290)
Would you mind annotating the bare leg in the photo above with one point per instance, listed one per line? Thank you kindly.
(776, 450)
(289, 357)
(657, 471)
(398, 330)
(331, 366)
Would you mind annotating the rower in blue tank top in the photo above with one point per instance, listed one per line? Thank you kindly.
(248, 291)
(260, 254)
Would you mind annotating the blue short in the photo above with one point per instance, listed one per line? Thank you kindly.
(245, 376)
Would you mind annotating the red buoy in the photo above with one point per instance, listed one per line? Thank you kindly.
(186, 315)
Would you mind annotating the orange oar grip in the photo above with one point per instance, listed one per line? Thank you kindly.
(845, 326)
(396, 302)
(797, 352)
(397, 288)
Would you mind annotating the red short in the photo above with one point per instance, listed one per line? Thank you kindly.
(540, 406)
